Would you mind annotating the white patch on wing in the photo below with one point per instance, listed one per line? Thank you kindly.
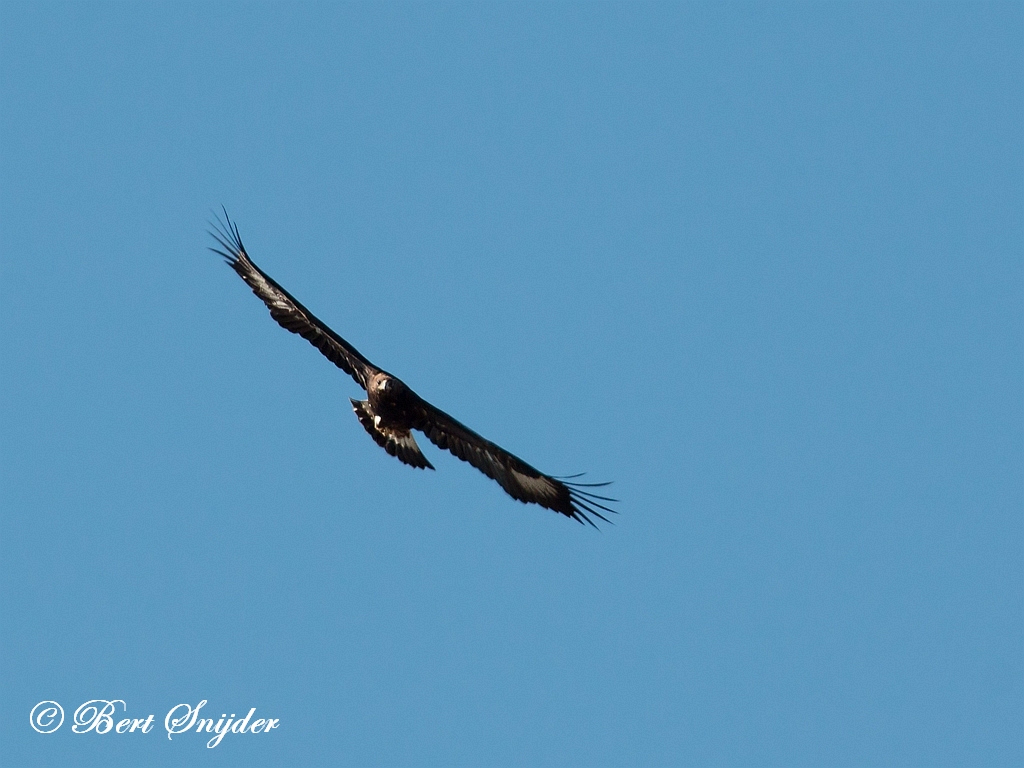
(263, 285)
(540, 486)
(267, 290)
(376, 421)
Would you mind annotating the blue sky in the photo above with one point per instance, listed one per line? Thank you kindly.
(761, 265)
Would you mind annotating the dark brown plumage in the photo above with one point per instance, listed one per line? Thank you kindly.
(392, 410)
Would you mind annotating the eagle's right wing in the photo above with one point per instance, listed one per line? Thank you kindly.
(288, 312)
(520, 481)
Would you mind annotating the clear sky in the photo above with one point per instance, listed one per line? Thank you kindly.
(761, 265)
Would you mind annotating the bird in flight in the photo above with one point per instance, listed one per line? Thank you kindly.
(392, 410)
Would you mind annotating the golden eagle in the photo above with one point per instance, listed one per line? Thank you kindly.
(392, 410)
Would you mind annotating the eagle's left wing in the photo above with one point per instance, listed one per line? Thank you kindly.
(521, 481)
(286, 310)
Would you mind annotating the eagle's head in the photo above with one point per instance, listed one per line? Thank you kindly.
(385, 388)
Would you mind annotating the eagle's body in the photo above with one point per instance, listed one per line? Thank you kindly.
(392, 410)
(389, 414)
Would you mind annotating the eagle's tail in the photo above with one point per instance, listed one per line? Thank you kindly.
(398, 443)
